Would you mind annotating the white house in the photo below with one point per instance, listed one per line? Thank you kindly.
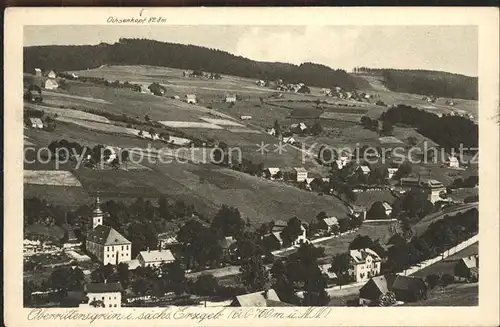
(329, 223)
(271, 131)
(365, 170)
(230, 98)
(260, 83)
(245, 117)
(390, 172)
(289, 140)
(190, 98)
(51, 84)
(36, 123)
(105, 243)
(387, 208)
(364, 264)
(110, 294)
(271, 172)
(453, 162)
(51, 74)
(38, 72)
(300, 174)
(155, 258)
(176, 97)
(297, 128)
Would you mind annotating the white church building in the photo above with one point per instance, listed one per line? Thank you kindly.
(106, 243)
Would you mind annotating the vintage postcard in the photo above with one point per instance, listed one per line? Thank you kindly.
(264, 166)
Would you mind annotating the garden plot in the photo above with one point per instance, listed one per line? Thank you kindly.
(50, 177)
(69, 113)
(189, 124)
(222, 122)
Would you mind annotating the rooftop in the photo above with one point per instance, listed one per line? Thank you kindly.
(103, 287)
(106, 235)
(157, 256)
(258, 299)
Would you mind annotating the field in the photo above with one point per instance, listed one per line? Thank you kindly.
(50, 177)
(451, 295)
(68, 113)
(66, 196)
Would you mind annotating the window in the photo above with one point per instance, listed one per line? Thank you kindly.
(110, 297)
(127, 247)
(107, 255)
(122, 247)
(103, 298)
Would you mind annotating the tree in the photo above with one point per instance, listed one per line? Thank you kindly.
(277, 128)
(291, 232)
(322, 215)
(206, 285)
(340, 266)
(366, 122)
(377, 211)
(97, 304)
(314, 288)
(432, 280)
(254, 274)
(387, 128)
(304, 89)
(174, 277)
(122, 270)
(228, 221)
(316, 129)
(447, 279)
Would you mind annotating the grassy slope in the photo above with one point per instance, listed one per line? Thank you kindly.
(451, 295)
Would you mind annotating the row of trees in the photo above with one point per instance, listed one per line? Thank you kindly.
(133, 52)
(438, 237)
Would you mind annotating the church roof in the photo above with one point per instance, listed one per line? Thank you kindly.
(106, 235)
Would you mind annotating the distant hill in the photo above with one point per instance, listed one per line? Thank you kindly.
(154, 53)
(427, 82)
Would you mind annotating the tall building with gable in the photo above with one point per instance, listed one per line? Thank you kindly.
(106, 243)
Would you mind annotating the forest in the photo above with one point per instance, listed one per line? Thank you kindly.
(427, 82)
(448, 131)
(149, 52)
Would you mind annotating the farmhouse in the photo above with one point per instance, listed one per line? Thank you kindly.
(467, 268)
(105, 243)
(387, 208)
(51, 74)
(364, 264)
(391, 172)
(433, 188)
(453, 162)
(300, 174)
(167, 241)
(36, 123)
(245, 117)
(364, 170)
(272, 173)
(108, 294)
(155, 258)
(267, 298)
(298, 128)
(330, 276)
(289, 140)
(51, 84)
(230, 98)
(190, 98)
(403, 288)
(260, 83)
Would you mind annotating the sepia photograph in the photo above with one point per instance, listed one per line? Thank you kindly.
(238, 165)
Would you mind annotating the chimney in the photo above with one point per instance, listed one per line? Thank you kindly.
(148, 249)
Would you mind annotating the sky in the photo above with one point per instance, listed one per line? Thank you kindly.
(446, 48)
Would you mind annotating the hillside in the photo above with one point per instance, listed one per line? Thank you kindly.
(426, 82)
(149, 52)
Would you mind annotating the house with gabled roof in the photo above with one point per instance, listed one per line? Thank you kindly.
(104, 295)
(106, 243)
(154, 258)
(364, 264)
(328, 224)
(267, 298)
(191, 98)
(36, 122)
(38, 72)
(403, 288)
(467, 268)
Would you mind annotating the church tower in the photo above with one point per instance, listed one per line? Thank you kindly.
(97, 215)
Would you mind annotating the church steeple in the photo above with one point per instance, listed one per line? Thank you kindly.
(97, 215)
